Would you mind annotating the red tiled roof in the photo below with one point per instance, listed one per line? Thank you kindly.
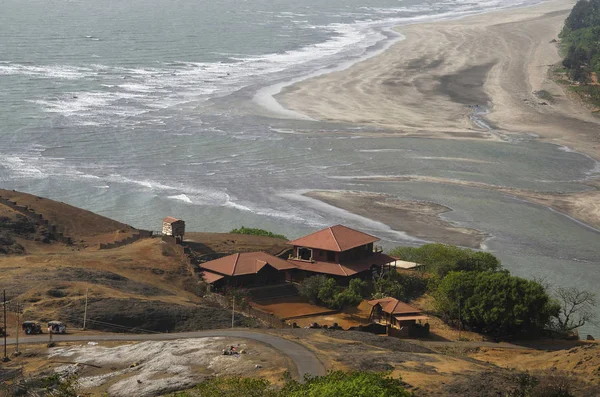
(335, 238)
(170, 219)
(345, 269)
(211, 277)
(394, 306)
(245, 263)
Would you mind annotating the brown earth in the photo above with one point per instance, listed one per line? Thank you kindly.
(81, 225)
(230, 243)
(451, 371)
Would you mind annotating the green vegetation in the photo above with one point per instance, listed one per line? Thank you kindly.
(335, 384)
(441, 259)
(545, 95)
(326, 291)
(401, 286)
(581, 44)
(471, 290)
(495, 303)
(257, 232)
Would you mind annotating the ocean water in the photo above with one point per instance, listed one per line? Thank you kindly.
(141, 109)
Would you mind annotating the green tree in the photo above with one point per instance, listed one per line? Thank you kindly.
(351, 296)
(310, 287)
(325, 290)
(403, 287)
(440, 259)
(495, 303)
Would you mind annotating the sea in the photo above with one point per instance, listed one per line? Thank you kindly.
(141, 109)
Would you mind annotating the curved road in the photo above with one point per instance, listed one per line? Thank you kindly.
(305, 361)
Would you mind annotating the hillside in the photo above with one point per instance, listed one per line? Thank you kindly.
(146, 284)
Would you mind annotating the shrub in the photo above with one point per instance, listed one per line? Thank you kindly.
(311, 286)
(325, 290)
(334, 384)
(403, 287)
(257, 232)
(495, 303)
(440, 259)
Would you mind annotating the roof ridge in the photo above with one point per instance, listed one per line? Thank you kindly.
(343, 270)
(334, 237)
(235, 263)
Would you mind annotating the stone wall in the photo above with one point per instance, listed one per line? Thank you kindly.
(38, 219)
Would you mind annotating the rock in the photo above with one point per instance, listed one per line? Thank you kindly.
(590, 337)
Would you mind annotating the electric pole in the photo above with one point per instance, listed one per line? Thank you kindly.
(85, 309)
(5, 358)
(18, 312)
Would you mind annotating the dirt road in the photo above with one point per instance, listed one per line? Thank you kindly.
(305, 361)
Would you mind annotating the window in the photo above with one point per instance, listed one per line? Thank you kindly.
(305, 253)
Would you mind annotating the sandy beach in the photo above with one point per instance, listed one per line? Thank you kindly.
(430, 83)
(426, 84)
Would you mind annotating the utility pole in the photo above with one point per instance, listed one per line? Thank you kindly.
(18, 321)
(85, 309)
(233, 313)
(5, 358)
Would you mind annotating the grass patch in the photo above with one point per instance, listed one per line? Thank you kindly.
(545, 95)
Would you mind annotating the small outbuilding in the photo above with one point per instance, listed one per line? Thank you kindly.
(173, 227)
(401, 318)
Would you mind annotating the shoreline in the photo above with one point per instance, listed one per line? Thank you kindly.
(426, 84)
(431, 84)
(420, 219)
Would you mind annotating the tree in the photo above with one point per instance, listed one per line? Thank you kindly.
(325, 290)
(576, 308)
(440, 259)
(310, 287)
(353, 295)
(403, 287)
(495, 302)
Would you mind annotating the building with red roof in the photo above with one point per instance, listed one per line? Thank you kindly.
(337, 251)
(399, 315)
(246, 270)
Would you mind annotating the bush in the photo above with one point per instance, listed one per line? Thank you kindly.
(440, 259)
(311, 286)
(257, 232)
(403, 287)
(334, 384)
(495, 303)
(325, 290)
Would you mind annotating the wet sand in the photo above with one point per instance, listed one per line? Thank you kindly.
(419, 219)
(426, 84)
(583, 207)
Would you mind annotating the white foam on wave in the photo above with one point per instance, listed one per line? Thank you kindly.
(181, 197)
(46, 71)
